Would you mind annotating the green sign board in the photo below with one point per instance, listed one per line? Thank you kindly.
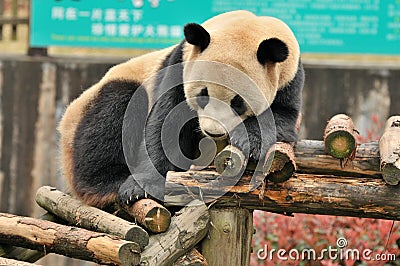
(321, 26)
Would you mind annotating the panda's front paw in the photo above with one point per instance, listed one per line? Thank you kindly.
(248, 143)
(130, 192)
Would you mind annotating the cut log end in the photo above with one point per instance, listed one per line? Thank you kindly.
(129, 254)
(158, 219)
(339, 138)
(230, 162)
(280, 164)
(390, 174)
(389, 149)
(340, 144)
(151, 215)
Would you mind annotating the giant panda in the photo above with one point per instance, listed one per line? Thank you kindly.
(263, 49)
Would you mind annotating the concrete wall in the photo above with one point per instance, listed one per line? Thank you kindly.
(35, 91)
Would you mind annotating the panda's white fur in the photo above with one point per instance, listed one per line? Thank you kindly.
(89, 127)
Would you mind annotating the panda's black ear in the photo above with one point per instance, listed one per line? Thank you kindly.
(197, 35)
(272, 50)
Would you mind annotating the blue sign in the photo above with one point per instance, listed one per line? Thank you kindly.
(321, 26)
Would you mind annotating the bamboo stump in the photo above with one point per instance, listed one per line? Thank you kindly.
(339, 138)
(389, 146)
(152, 215)
(229, 240)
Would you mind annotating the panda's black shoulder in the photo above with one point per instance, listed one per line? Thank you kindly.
(290, 95)
(170, 75)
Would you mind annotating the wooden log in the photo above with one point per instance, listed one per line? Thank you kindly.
(389, 146)
(230, 162)
(91, 218)
(311, 158)
(65, 240)
(152, 215)
(303, 193)
(11, 262)
(192, 258)
(339, 138)
(280, 164)
(20, 254)
(25, 254)
(188, 227)
(229, 239)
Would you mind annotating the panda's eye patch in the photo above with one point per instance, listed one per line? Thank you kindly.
(237, 104)
(203, 98)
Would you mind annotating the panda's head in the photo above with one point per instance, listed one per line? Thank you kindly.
(234, 64)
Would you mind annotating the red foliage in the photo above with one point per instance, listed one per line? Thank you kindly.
(319, 232)
(374, 132)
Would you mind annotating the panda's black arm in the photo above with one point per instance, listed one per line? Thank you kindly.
(260, 133)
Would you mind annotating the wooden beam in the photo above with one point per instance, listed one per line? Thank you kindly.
(65, 240)
(311, 158)
(229, 240)
(302, 193)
